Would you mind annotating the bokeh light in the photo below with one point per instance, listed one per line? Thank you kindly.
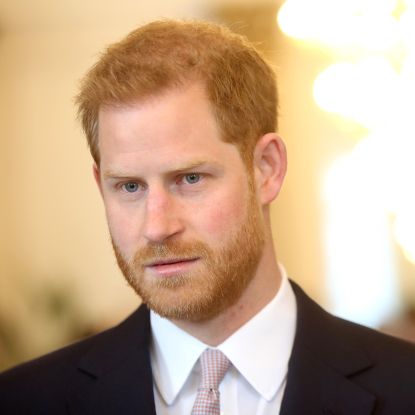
(373, 84)
(362, 91)
(367, 24)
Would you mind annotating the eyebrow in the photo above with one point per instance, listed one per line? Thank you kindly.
(185, 167)
(197, 164)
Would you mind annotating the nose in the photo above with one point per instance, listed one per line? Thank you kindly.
(161, 219)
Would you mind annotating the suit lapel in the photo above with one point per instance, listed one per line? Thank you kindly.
(322, 365)
(315, 388)
(114, 376)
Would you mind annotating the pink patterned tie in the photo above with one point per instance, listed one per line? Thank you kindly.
(214, 366)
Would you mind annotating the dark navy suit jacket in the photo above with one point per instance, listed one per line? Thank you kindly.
(336, 367)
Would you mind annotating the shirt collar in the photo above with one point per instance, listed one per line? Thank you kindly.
(172, 361)
(173, 355)
(275, 326)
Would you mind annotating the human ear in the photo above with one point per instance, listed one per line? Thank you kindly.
(97, 176)
(270, 165)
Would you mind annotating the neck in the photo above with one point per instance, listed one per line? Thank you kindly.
(259, 292)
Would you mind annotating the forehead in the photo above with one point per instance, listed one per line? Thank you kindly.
(175, 125)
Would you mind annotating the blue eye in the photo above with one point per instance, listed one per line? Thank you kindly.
(130, 187)
(192, 178)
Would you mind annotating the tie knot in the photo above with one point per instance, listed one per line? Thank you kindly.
(214, 366)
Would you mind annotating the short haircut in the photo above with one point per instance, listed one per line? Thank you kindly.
(161, 55)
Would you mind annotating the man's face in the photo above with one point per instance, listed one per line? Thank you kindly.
(184, 220)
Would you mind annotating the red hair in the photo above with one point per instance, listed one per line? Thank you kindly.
(239, 83)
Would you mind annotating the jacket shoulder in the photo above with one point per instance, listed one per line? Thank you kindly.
(45, 382)
(381, 365)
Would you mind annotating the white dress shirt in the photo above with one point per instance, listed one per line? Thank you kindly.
(259, 352)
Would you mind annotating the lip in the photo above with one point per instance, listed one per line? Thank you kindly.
(171, 266)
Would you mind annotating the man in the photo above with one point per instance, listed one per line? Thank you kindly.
(181, 119)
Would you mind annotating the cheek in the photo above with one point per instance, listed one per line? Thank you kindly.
(123, 228)
(224, 216)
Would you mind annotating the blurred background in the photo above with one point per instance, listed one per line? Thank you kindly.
(344, 224)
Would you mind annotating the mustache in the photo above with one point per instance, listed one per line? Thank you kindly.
(169, 250)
